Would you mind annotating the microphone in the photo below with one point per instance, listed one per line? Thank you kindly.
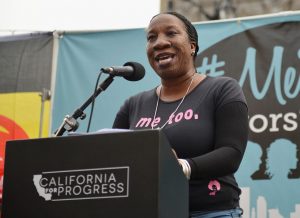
(131, 71)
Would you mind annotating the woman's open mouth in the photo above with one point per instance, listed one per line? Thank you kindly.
(164, 59)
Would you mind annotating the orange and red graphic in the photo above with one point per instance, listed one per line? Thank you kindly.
(20, 115)
(9, 130)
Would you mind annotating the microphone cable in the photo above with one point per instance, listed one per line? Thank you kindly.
(93, 102)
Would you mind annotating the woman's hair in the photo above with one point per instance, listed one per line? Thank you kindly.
(190, 29)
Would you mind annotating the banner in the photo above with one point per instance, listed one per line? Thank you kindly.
(25, 72)
(261, 53)
(264, 59)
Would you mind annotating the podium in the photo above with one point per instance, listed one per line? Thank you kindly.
(130, 174)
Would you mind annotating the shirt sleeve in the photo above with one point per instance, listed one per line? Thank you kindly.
(230, 143)
(122, 118)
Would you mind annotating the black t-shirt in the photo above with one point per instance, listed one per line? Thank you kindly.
(209, 130)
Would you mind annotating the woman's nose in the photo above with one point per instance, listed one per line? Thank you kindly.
(161, 42)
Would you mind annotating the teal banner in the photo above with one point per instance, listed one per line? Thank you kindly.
(261, 53)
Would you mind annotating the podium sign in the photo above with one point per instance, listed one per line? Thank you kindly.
(112, 175)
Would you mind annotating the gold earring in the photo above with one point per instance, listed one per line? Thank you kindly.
(193, 53)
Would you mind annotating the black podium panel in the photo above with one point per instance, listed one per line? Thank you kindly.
(126, 174)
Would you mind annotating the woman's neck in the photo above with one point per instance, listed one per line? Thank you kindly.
(172, 90)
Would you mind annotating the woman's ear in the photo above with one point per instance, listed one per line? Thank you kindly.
(193, 48)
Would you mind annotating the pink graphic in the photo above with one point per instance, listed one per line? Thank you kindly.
(214, 186)
(149, 122)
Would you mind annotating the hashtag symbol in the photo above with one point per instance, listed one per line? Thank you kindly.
(212, 68)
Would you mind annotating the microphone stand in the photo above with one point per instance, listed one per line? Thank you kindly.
(70, 122)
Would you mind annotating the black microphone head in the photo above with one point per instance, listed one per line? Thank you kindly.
(138, 71)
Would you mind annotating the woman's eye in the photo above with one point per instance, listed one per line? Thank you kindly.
(172, 33)
(150, 37)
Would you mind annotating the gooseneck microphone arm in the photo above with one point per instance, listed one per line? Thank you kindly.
(70, 122)
(131, 71)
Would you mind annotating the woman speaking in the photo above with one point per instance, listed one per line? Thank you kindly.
(204, 118)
